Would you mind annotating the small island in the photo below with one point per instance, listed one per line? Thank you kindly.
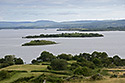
(39, 42)
(66, 35)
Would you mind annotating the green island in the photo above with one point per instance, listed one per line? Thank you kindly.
(96, 67)
(66, 35)
(39, 42)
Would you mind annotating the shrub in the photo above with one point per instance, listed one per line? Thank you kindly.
(2, 65)
(114, 76)
(54, 79)
(49, 67)
(96, 77)
(18, 71)
(34, 61)
(5, 74)
(82, 71)
(122, 76)
(45, 63)
(59, 64)
(18, 61)
(104, 72)
(97, 62)
(39, 79)
(23, 79)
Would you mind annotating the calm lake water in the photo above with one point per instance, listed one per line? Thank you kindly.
(113, 43)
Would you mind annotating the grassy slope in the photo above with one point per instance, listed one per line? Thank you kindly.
(26, 74)
(25, 67)
(19, 75)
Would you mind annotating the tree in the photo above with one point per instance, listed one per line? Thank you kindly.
(123, 61)
(116, 57)
(117, 60)
(99, 55)
(34, 61)
(65, 56)
(82, 71)
(2, 60)
(59, 64)
(104, 55)
(95, 54)
(46, 56)
(85, 55)
(97, 62)
(18, 61)
(10, 60)
(81, 60)
(74, 65)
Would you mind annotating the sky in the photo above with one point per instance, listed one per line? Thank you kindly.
(61, 10)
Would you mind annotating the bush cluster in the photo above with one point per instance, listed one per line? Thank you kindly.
(10, 60)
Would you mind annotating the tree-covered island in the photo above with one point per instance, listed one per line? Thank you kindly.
(66, 35)
(39, 42)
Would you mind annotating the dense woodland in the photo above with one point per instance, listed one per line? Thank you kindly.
(66, 35)
(91, 61)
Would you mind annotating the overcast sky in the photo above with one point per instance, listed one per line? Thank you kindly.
(61, 10)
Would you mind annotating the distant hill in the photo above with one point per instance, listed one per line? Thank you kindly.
(67, 24)
(94, 24)
(40, 23)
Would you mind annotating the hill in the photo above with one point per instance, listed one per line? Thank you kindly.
(99, 24)
(28, 24)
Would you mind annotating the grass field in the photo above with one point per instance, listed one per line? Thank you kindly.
(25, 67)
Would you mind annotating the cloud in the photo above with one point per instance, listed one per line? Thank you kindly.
(63, 13)
(61, 9)
(1, 18)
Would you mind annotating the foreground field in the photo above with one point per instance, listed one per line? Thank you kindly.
(37, 70)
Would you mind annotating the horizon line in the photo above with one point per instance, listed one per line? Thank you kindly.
(60, 21)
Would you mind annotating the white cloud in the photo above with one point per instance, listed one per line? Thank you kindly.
(61, 9)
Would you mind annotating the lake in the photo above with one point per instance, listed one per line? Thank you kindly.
(11, 40)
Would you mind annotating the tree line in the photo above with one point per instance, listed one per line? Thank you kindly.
(84, 63)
